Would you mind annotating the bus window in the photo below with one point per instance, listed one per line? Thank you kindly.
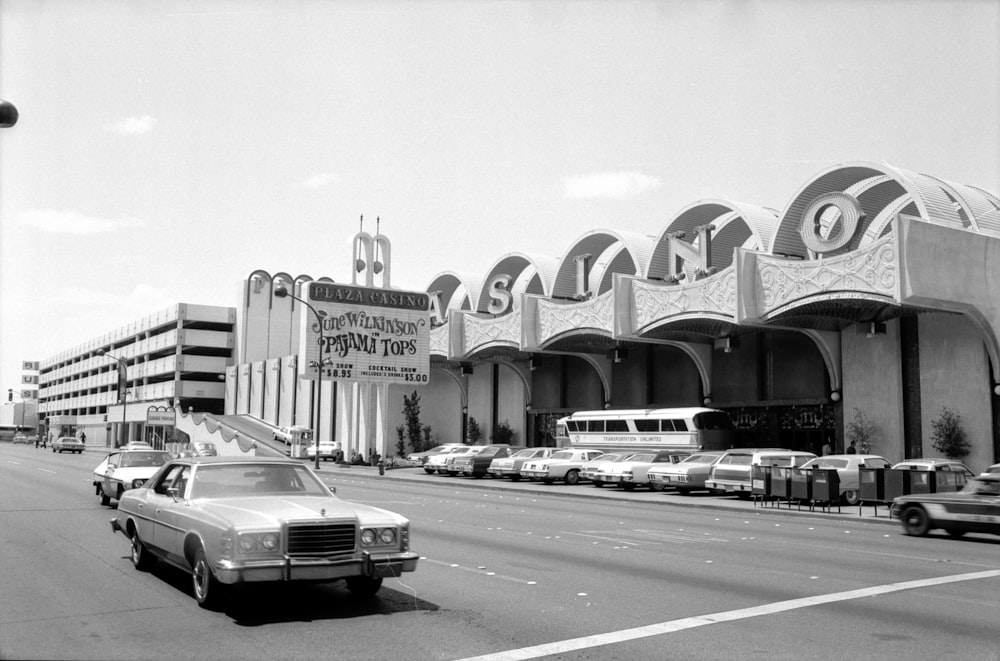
(595, 425)
(712, 420)
(680, 425)
(573, 425)
(667, 425)
(647, 425)
(617, 425)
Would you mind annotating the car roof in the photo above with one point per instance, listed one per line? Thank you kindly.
(236, 460)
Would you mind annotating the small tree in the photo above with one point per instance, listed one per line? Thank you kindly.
(503, 433)
(411, 420)
(428, 442)
(473, 433)
(862, 431)
(949, 436)
(400, 441)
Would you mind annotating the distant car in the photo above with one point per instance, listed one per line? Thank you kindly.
(327, 450)
(936, 464)
(125, 469)
(511, 466)
(733, 472)
(421, 457)
(589, 470)
(204, 449)
(24, 438)
(478, 464)
(634, 471)
(438, 462)
(564, 465)
(227, 520)
(976, 508)
(687, 475)
(848, 467)
(68, 444)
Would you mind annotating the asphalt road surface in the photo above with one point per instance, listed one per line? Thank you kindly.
(555, 572)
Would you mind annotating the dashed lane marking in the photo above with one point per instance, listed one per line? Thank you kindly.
(575, 644)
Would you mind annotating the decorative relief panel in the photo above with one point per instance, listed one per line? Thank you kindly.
(555, 318)
(874, 270)
(439, 340)
(653, 302)
(479, 331)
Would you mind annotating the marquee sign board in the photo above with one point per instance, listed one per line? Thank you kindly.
(162, 416)
(368, 334)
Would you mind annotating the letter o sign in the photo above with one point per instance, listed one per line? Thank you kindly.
(830, 222)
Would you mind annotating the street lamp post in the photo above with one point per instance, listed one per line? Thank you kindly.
(122, 383)
(282, 292)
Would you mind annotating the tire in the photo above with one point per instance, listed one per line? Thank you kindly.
(208, 592)
(743, 495)
(851, 497)
(573, 477)
(142, 559)
(105, 499)
(628, 486)
(547, 480)
(429, 471)
(597, 483)
(121, 490)
(363, 586)
(515, 477)
(684, 491)
(656, 487)
(915, 521)
(956, 534)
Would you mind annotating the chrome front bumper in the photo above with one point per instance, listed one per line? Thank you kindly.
(294, 569)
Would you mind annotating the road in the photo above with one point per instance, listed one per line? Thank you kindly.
(512, 574)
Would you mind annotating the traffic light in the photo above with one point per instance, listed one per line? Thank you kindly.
(10, 394)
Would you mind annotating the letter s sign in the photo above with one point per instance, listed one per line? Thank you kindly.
(500, 296)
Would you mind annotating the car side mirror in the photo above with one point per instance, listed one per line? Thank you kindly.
(333, 489)
(172, 492)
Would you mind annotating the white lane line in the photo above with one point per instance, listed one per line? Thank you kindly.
(597, 640)
(482, 571)
(45, 470)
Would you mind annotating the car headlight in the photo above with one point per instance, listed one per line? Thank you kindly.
(137, 483)
(387, 536)
(259, 542)
(379, 536)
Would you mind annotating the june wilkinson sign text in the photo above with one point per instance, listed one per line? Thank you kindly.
(369, 335)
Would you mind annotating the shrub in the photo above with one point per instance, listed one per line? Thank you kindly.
(473, 434)
(503, 433)
(862, 431)
(949, 436)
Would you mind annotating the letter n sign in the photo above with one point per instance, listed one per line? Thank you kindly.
(679, 251)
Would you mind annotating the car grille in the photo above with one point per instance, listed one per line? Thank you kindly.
(313, 539)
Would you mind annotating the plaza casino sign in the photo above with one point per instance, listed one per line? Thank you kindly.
(369, 334)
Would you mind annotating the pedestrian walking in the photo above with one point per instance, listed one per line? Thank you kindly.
(851, 449)
(83, 437)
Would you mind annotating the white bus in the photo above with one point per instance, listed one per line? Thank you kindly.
(693, 428)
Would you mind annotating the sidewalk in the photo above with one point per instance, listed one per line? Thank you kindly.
(867, 513)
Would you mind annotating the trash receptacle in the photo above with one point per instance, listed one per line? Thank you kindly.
(826, 485)
(760, 482)
(781, 482)
(871, 482)
(802, 483)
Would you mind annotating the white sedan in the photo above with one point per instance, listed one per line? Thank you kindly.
(564, 465)
(848, 467)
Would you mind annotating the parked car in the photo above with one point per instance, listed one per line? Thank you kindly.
(68, 444)
(137, 445)
(327, 450)
(687, 475)
(227, 520)
(438, 463)
(732, 473)
(478, 464)
(421, 457)
(995, 468)
(938, 464)
(124, 470)
(633, 472)
(589, 470)
(976, 508)
(24, 438)
(848, 467)
(564, 465)
(510, 466)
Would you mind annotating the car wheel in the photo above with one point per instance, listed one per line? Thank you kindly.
(515, 478)
(743, 495)
(121, 490)
(915, 521)
(684, 491)
(208, 592)
(628, 486)
(142, 559)
(363, 586)
(656, 487)
(956, 533)
(105, 499)
(597, 483)
(573, 477)
(547, 480)
(429, 471)
(851, 497)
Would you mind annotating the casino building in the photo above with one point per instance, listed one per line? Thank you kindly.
(874, 291)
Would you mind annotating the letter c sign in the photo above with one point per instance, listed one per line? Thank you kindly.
(819, 227)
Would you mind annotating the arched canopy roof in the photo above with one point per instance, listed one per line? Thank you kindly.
(883, 192)
(530, 274)
(611, 252)
(459, 291)
(737, 225)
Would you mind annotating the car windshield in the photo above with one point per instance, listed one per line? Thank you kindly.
(982, 487)
(137, 459)
(699, 459)
(826, 463)
(562, 455)
(225, 480)
(527, 452)
(642, 457)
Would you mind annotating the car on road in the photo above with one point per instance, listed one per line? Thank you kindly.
(24, 438)
(976, 508)
(438, 463)
(564, 465)
(687, 475)
(848, 467)
(510, 466)
(478, 464)
(68, 444)
(228, 520)
(634, 471)
(589, 470)
(328, 450)
(137, 445)
(125, 469)
(732, 473)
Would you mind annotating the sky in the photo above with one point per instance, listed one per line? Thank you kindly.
(167, 149)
